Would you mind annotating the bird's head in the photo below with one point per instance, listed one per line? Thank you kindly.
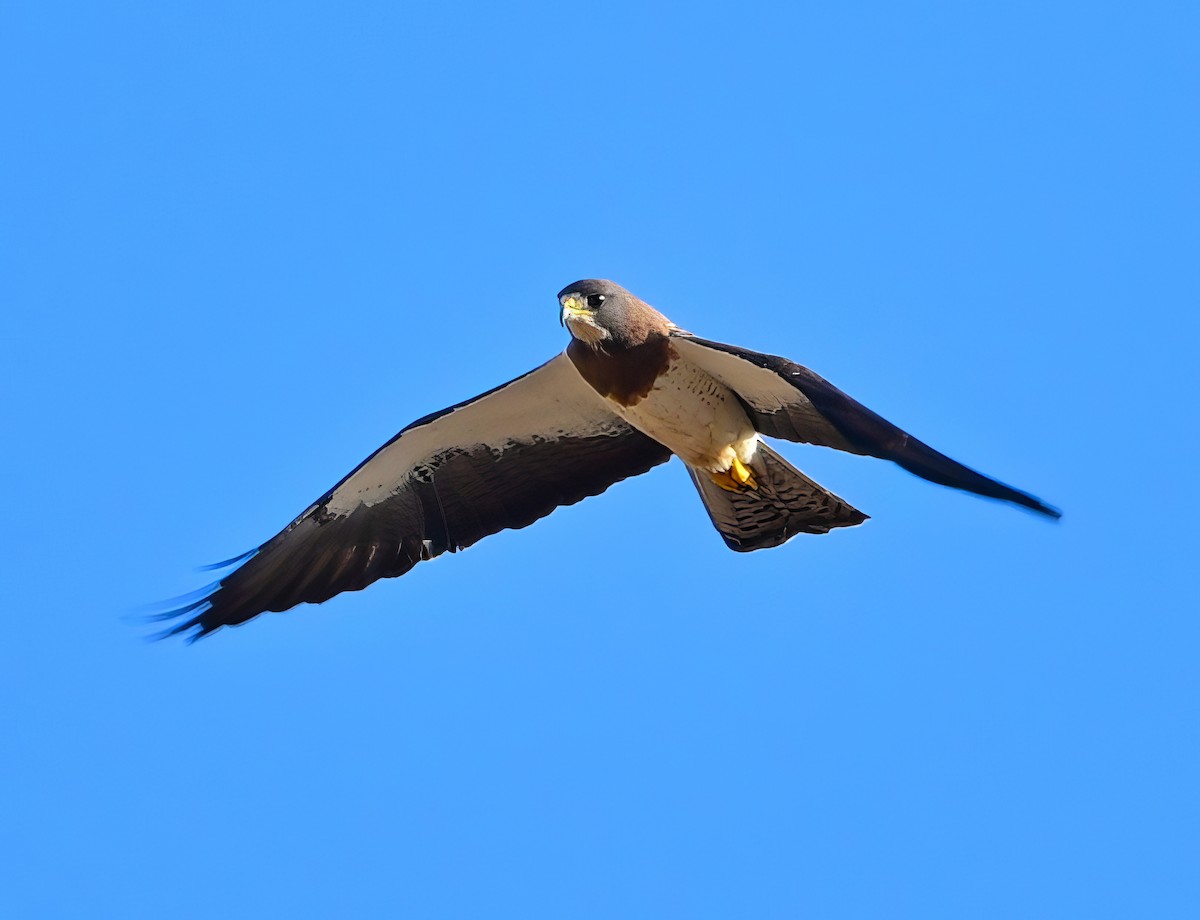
(600, 312)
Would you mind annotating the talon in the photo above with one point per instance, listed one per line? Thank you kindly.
(726, 482)
(742, 474)
(738, 478)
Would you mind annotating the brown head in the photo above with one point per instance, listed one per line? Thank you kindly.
(598, 312)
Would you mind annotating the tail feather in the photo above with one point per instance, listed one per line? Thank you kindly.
(785, 503)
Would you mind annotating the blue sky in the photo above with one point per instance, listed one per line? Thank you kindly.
(242, 244)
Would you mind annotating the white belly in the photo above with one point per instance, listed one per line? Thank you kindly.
(694, 415)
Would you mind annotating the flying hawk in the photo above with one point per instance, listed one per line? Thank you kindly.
(631, 389)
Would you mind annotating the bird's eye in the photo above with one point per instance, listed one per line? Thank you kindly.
(594, 301)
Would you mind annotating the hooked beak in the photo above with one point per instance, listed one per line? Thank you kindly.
(571, 308)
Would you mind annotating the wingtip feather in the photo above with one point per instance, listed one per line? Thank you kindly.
(226, 563)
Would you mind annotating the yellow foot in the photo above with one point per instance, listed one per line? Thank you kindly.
(738, 478)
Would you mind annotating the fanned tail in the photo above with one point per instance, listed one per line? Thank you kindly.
(785, 503)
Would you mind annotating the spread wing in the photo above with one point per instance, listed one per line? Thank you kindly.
(788, 401)
(501, 460)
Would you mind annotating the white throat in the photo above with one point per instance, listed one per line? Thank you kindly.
(586, 330)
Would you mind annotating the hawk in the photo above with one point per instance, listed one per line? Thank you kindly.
(631, 390)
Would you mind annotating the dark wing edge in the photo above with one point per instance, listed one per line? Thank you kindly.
(502, 460)
(828, 417)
